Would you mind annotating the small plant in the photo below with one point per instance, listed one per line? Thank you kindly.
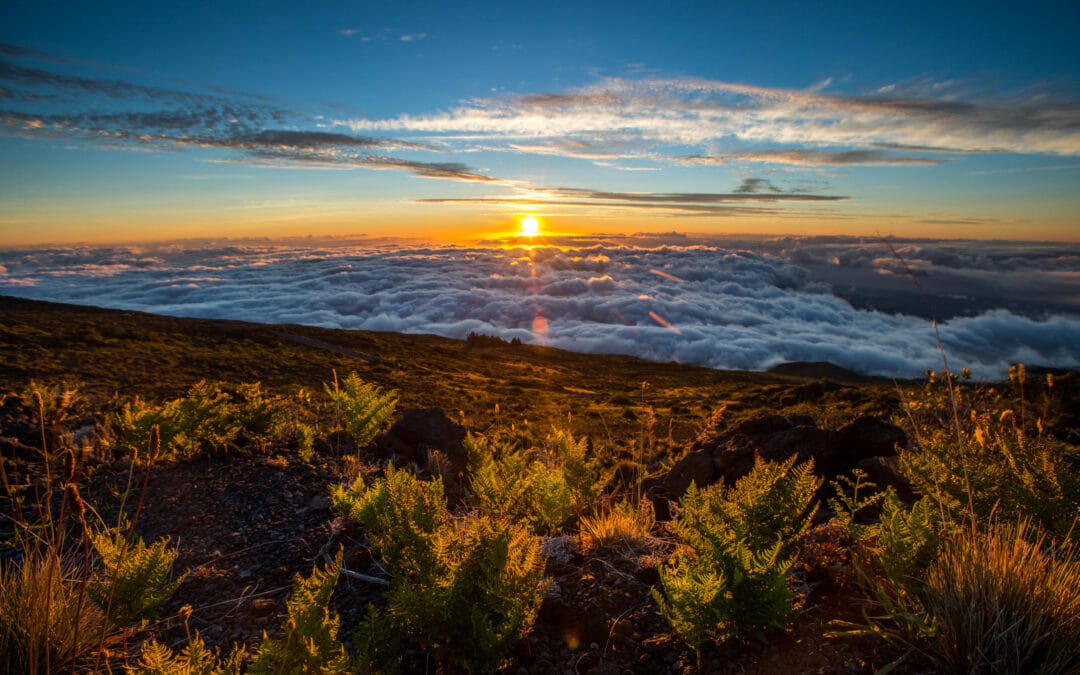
(907, 538)
(581, 475)
(622, 527)
(364, 407)
(400, 513)
(848, 503)
(976, 455)
(310, 643)
(262, 417)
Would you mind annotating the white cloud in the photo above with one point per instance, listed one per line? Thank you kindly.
(720, 306)
(698, 113)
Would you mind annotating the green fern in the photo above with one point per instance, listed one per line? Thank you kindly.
(727, 592)
(848, 503)
(582, 476)
(508, 482)
(774, 502)
(364, 407)
(730, 577)
(480, 599)
(194, 659)
(464, 588)
(135, 578)
(907, 538)
(310, 643)
(401, 515)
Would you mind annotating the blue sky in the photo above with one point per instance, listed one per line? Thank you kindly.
(137, 121)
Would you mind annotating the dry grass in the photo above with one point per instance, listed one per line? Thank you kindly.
(1005, 601)
(47, 622)
(623, 527)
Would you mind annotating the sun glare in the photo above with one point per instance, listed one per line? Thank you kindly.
(530, 226)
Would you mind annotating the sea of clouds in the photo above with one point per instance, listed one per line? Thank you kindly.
(720, 303)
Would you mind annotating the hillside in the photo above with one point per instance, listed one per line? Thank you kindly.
(249, 510)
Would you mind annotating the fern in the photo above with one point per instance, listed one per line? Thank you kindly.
(506, 482)
(262, 417)
(847, 506)
(464, 588)
(582, 476)
(401, 515)
(480, 599)
(364, 407)
(194, 659)
(907, 539)
(135, 578)
(726, 592)
(974, 457)
(774, 502)
(310, 643)
(730, 577)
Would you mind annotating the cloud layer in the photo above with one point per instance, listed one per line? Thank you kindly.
(744, 305)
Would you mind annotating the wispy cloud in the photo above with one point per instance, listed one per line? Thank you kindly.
(814, 158)
(817, 127)
(51, 104)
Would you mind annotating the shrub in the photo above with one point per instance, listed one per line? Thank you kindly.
(907, 538)
(1004, 601)
(582, 476)
(480, 598)
(729, 578)
(262, 417)
(204, 417)
(400, 513)
(364, 407)
(310, 643)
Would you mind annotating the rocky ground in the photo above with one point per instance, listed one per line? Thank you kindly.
(245, 523)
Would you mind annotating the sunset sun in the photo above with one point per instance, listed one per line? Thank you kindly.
(530, 226)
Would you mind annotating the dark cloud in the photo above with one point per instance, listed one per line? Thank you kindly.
(734, 304)
(801, 157)
(263, 133)
(757, 185)
(688, 198)
(447, 170)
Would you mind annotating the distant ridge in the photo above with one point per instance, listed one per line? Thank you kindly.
(817, 370)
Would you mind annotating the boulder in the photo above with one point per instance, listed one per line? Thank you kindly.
(730, 455)
(418, 433)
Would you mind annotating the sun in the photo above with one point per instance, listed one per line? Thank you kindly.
(530, 226)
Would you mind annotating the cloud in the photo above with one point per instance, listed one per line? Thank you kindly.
(653, 113)
(412, 37)
(751, 191)
(746, 304)
(800, 157)
(260, 133)
(756, 185)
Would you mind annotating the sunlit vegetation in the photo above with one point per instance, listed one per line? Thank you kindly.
(966, 563)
